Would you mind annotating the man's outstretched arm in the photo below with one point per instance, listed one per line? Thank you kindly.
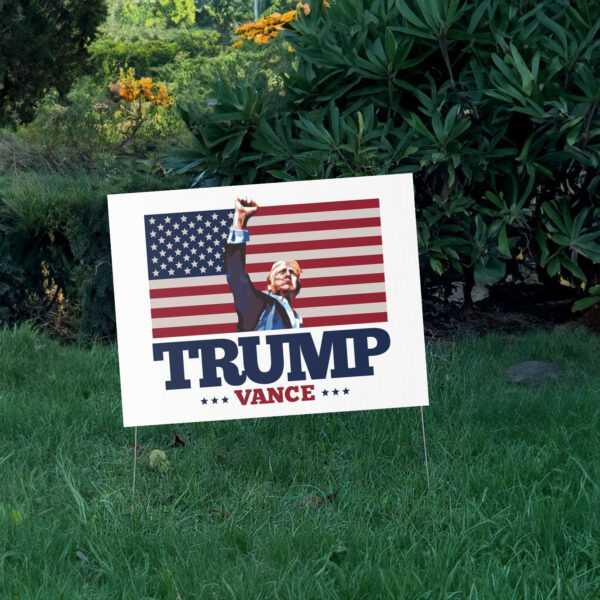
(248, 302)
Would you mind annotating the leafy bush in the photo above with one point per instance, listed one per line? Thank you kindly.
(155, 49)
(492, 105)
(54, 250)
(43, 45)
(164, 13)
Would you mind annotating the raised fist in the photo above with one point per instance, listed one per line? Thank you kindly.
(244, 209)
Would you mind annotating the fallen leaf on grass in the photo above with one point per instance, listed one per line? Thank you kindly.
(139, 449)
(177, 441)
(220, 512)
(319, 500)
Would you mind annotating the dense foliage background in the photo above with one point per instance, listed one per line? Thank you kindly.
(493, 105)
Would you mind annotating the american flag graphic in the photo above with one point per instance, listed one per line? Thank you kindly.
(338, 246)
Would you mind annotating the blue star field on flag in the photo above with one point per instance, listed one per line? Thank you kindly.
(186, 244)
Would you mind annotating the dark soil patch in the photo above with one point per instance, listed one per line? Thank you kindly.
(509, 308)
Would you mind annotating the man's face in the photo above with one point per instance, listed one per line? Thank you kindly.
(284, 279)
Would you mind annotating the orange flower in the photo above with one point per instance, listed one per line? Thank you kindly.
(237, 44)
(146, 86)
(305, 7)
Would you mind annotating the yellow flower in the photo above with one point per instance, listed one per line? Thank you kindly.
(564, 282)
(16, 515)
(237, 44)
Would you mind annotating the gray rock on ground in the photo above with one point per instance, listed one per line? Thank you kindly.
(533, 372)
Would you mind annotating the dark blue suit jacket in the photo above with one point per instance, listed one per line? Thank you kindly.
(250, 303)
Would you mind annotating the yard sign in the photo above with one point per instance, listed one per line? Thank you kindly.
(267, 300)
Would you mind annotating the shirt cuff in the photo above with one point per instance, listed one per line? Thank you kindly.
(238, 236)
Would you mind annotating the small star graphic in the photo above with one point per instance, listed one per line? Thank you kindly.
(225, 399)
(325, 393)
(346, 391)
(204, 400)
(168, 220)
(184, 218)
(214, 400)
(152, 221)
(335, 392)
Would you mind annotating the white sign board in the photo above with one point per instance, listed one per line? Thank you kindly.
(268, 300)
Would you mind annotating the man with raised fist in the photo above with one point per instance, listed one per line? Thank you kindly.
(257, 310)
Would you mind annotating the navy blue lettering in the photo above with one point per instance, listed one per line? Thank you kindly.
(249, 346)
(175, 351)
(210, 363)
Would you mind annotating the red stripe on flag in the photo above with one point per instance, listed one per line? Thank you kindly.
(299, 303)
(344, 320)
(192, 311)
(319, 263)
(200, 290)
(230, 328)
(348, 299)
(193, 330)
(287, 247)
(314, 226)
(292, 209)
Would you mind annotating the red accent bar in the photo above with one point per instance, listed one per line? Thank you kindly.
(344, 320)
(287, 247)
(291, 209)
(314, 226)
(319, 263)
(202, 290)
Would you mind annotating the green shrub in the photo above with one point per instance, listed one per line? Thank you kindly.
(143, 55)
(492, 105)
(55, 249)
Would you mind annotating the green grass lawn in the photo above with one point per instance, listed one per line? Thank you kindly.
(513, 512)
